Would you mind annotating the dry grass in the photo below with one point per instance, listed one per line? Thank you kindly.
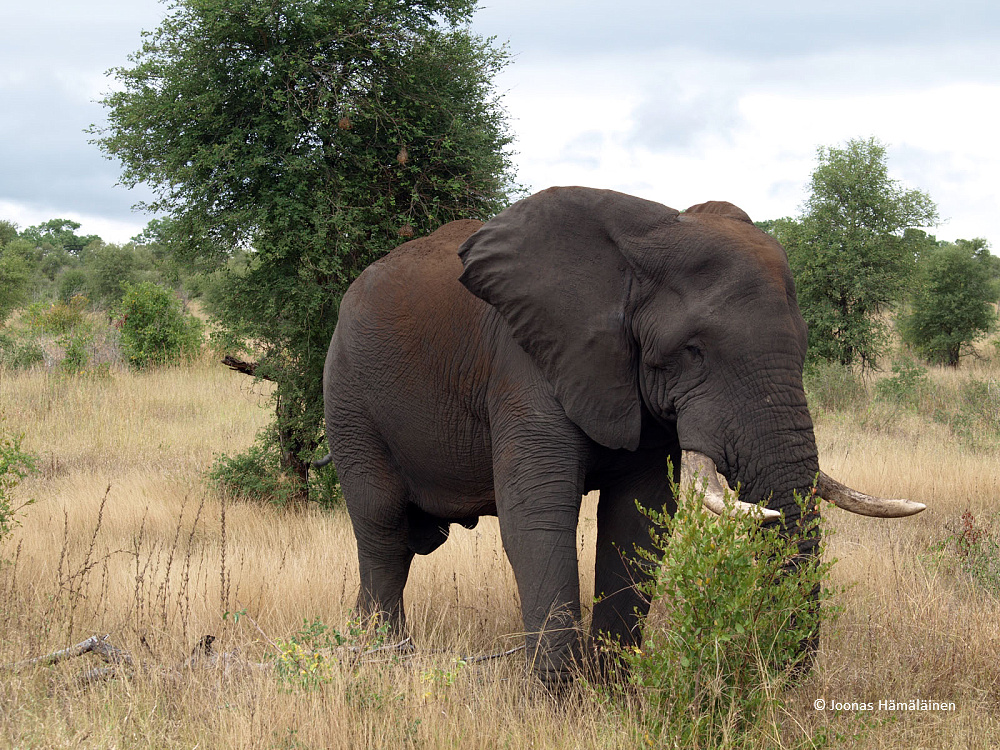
(127, 539)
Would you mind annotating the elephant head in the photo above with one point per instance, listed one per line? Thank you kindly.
(630, 308)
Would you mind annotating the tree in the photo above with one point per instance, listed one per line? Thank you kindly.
(316, 135)
(15, 278)
(60, 234)
(952, 304)
(8, 232)
(849, 252)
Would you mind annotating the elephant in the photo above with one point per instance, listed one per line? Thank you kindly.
(581, 340)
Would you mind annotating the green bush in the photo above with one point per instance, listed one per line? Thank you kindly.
(77, 351)
(155, 330)
(972, 547)
(834, 387)
(73, 282)
(740, 605)
(17, 353)
(256, 475)
(15, 277)
(906, 384)
(58, 318)
(15, 465)
(973, 413)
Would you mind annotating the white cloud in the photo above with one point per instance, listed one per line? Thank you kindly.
(111, 230)
(675, 102)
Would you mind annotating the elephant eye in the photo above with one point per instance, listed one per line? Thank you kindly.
(694, 351)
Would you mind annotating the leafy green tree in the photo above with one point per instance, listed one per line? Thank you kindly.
(952, 304)
(15, 277)
(8, 232)
(112, 268)
(316, 135)
(850, 253)
(59, 233)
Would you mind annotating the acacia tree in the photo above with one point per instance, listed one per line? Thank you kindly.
(848, 252)
(314, 134)
(952, 303)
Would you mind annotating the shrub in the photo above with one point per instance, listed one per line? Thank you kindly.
(834, 387)
(15, 277)
(973, 547)
(740, 605)
(155, 330)
(73, 282)
(58, 318)
(905, 385)
(256, 475)
(973, 413)
(15, 465)
(17, 353)
(77, 351)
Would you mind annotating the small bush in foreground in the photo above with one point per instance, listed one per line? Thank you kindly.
(154, 328)
(740, 606)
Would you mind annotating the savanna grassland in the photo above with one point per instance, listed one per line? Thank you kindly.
(127, 538)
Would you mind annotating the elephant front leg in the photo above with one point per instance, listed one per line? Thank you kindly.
(620, 574)
(538, 512)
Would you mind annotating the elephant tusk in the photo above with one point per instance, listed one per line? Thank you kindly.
(865, 505)
(695, 466)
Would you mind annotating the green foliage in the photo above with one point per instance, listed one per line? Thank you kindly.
(952, 305)
(59, 318)
(740, 604)
(8, 232)
(155, 330)
(904, 387)
(15, 466)
(59, 233)
(849, 252)
(18, 352)
(833, 386)
(112, 269)
(312, 655)
(15, 275)
(972, 413)
(73, 282)
(258, 475)
(972, 548)
(315, 136)
(77, 351)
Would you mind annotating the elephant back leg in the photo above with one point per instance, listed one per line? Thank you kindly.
(376, 497)
(620, 605)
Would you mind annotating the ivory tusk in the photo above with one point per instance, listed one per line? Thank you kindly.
(698, 468)
(865, 505)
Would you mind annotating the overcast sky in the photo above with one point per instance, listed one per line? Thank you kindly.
(679, 103)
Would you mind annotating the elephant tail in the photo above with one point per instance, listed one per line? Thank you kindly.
(321, 462)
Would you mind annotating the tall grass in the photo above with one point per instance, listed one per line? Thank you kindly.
(126, 538)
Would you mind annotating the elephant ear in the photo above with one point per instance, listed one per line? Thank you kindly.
(720, 208)
(556, 267)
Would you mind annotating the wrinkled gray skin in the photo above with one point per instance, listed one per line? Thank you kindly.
(574, 343)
